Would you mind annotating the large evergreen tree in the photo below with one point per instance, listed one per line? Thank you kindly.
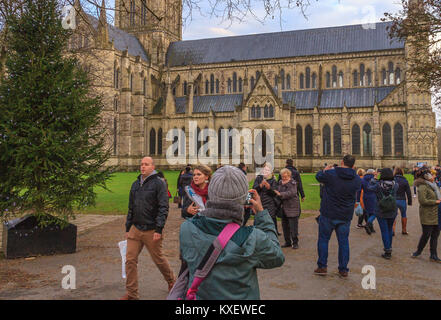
(52, 147)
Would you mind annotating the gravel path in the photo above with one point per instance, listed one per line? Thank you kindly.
(98, 267)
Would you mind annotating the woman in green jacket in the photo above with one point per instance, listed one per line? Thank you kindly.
(429, 197)
(234, 275)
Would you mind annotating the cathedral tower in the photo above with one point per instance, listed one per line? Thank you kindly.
(156, 23)
(421, 120)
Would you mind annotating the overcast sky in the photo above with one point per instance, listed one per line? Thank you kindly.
(321, 13)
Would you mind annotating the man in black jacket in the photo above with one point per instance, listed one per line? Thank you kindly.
(148, 210)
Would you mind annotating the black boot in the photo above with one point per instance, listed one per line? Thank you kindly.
(416, 254)
(387, 254)
(367, 227)
(434, 258)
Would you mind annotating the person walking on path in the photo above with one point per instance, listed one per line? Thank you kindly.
(336, 211)
(265, 184)
(386, 209)
(402, 192)
(234, 275)
(369, 200)
(429, 198)
(199, 184)
(361, 173)
(287, 192)
(148, 211)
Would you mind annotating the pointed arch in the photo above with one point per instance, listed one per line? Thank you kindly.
(152, 145)
(356, 139)
(308, 77)
(398, 139)
(334, 76)
(367, 140)
(302, 81)
(337, 139)
(299, 138)
(288, 82)
(308, 140)
(326, 140)
(234, 82)
(212, 83)
(387, 140)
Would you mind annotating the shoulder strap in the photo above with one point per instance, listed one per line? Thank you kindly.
(210, 258)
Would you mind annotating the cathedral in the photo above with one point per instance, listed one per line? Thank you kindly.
(323, 92)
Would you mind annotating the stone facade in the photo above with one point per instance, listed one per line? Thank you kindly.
(320, 106)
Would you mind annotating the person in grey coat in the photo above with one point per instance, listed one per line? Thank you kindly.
(287, 192)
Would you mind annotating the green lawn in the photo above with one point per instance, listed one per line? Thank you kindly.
(116, 201)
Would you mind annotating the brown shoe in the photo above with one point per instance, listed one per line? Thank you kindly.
(343, 274)
(126, 297)
(321, 271)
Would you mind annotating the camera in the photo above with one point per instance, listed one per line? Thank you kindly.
(249, 197)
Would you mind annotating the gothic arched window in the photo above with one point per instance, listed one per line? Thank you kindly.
(355, 139)
(240, 84)
(265, 111)
(234, 82)
(302, 81)
(258, 112)
(397, 75)
(308, 140)
(384, 77)
(299, 137)
(326, 140)
(367, 140)
(308, 78)
(207, 84)
(220, 144)
(252, 82)
(355, 78)
(398, 139)
(253, 112)
(152, 142)
(229, 85)
(160, 141)
(391, 73)
(334, 76)
(387, 140)
(314, 80)
(369, 77)
(340, 79)
(211, 83)
(271, 111)
(288, 81)
(337, 139)
(217, 85)
(282, 78)
(328, 79)
(184, 88)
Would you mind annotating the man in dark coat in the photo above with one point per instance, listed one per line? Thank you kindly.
(336, 211)
(148, 211)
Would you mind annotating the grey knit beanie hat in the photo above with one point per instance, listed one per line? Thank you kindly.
(228, 184)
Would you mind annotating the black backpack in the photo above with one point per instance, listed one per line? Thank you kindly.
(387, 203)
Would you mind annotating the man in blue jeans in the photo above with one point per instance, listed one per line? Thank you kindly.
(336, 210)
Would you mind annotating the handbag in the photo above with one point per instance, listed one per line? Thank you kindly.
(176, 198)
(179, 290)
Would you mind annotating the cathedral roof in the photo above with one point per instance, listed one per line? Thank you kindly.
(336, 98)
(305, 99)
(218, 103)
(122, 40)
(321, 41)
